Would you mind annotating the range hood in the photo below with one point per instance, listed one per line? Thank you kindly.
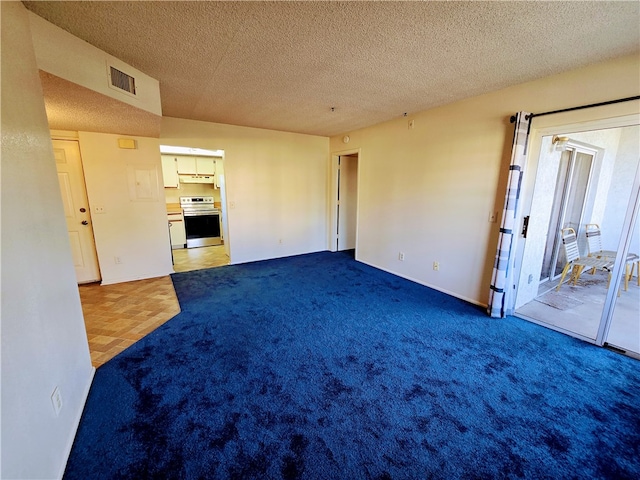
(196, 178)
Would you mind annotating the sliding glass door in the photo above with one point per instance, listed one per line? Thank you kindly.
(591, 182)
(570, 196)
(621, 321)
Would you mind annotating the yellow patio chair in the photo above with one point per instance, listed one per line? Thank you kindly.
(575, 262)
(594, 244)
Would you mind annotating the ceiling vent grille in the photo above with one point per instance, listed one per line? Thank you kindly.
(122, 81)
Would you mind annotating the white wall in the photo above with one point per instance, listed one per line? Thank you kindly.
(133, 229)
(428, 191)
(626, 164)
(44, 342)
(66, 56)
(276, 186)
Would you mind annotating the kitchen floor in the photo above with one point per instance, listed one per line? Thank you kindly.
(117, 316)
(187, 259)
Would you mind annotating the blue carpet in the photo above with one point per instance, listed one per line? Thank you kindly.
(319, 367)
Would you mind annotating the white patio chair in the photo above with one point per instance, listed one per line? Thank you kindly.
(575, 262)
(594, 244)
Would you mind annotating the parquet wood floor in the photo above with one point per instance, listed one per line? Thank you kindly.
(116, 316)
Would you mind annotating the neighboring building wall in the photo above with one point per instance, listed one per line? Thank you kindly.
(44, 343)
(276, 186)
(624, 173)
(607, 140)
(428, 191)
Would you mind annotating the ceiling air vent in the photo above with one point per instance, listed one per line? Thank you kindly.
(122, 81)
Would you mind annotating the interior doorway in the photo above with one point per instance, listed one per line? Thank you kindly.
(347, 201)
(195, 195)
(593, 179)
(344, 201)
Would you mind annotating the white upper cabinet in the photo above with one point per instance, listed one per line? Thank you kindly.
(187, 165)
(169, 171)
(193, 169)
(205, 166)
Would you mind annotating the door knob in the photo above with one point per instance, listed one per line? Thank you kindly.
(84, 222)
(82, 210)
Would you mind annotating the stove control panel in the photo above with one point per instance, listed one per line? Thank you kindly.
(196, 201)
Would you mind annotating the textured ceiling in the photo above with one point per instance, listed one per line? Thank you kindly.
(283, 65)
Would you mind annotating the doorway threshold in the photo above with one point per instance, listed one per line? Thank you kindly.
(555, 328)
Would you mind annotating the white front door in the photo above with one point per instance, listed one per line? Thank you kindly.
(76, 209)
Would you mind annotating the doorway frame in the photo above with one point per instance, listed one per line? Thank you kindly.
(570, 126)
(72, 136)
(332, 217)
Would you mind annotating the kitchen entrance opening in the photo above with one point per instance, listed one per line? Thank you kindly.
(579, 261)
(194, 186)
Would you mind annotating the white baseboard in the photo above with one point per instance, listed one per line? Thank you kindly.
(406, 277)
(114, 280)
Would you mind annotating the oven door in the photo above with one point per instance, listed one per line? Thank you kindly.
(202, 230)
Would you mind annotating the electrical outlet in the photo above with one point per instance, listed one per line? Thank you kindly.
(493, 217)
(56, 400)
(401, 256)
(98, 209)
(280, 241)
(117, 260)
(436, 266)
(411, 124)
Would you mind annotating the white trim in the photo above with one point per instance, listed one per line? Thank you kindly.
(76, 424)
(113, 280)
(594, 124)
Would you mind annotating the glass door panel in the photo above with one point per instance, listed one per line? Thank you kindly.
(556, 218)
(572, 185)
(621, 217)
(624, 332)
